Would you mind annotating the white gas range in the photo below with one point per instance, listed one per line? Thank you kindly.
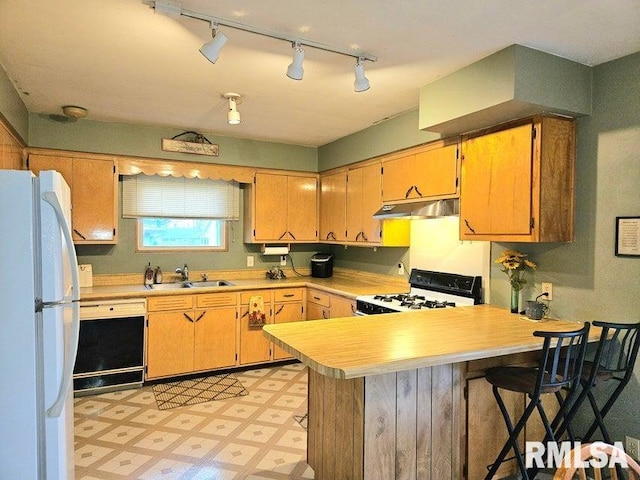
(428, 290)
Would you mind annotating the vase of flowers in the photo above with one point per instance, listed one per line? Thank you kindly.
(514, 265)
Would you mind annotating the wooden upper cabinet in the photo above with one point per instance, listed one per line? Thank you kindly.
(94, 193)
(333, 211)
(518, 182)
(428, 172)
(364, 198)
(281, 208)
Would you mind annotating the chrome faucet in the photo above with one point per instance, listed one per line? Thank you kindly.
(184, 272)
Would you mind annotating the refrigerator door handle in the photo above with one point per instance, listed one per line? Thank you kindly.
(69, 360)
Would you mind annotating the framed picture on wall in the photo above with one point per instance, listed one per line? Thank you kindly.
(628, 236)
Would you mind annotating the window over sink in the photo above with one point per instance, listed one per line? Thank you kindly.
(181, 234)
(180, 213)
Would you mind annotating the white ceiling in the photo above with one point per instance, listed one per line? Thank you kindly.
(124, 63)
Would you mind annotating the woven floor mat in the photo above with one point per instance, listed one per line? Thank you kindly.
(197, 390)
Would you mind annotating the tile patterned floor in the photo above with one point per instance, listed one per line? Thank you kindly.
(123, 435)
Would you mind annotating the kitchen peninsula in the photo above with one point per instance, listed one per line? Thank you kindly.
(386, 392)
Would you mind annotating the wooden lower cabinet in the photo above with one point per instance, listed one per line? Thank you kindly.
(254, 346)
(323, 305)
(287, 307)
(190, 333)
(169, 344)
(342, 306)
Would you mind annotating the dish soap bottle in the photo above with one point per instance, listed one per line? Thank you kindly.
(157, 275)
(148, 275)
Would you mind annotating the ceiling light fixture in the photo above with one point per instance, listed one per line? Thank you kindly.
(233, 116)
(295, 70)
(361, 82)
(73, 111)
(211, 50)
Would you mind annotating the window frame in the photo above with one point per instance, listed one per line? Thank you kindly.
(146, 249)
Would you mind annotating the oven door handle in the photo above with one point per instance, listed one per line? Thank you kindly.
(358, 313)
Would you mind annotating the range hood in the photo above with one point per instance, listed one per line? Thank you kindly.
(426, 209)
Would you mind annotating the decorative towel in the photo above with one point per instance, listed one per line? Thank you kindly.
(257, 317)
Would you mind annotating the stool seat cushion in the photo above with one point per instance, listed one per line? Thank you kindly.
(520, 379)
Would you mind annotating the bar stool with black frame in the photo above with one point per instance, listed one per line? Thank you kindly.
(614, 359)
(559, 367)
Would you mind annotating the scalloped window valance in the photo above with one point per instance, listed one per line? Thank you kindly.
(173, 168)
(179, 197)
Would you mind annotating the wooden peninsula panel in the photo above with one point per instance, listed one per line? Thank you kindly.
(386, 392)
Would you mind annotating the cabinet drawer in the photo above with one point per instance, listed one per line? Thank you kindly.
(216, 300)
(173, 302)
(288, 294)
(246, 296)
(319, 298)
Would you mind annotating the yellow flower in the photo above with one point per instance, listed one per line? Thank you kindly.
(514, 264)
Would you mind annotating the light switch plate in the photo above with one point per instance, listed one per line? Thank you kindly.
(249, 260)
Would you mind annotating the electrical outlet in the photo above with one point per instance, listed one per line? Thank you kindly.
(632, 447)
(400, 268)
(249, 260)
(548, 289)
(283, 260)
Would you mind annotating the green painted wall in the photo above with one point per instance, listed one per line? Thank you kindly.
(12, 108)
(394, 134)
(138, 140)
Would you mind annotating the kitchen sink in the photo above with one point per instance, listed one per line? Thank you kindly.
(210, 283)
(174, 286)
(168, 286)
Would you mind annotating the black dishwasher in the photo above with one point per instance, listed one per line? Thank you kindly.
(110, 347)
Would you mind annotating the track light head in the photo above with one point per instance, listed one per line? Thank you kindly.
(295, 70)
(211, 50)
(233, 116)
(361, 82)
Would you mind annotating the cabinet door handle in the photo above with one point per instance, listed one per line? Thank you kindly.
(364, 236)
(245, 314)
(79, 234)
(358, 236)
(282, 236)
(188, 317)
(469, 226)
(288, 295)
(417, 191)
(316, 298)
(279, 310)
(200, 317)
(353, 308)
(406, 195)
(325, 315)
(292, 235)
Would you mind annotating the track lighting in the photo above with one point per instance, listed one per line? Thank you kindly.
(295, 70)
(211, 50)
(361, 82)
(233, 116)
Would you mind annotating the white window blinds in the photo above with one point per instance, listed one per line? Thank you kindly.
(167, 197)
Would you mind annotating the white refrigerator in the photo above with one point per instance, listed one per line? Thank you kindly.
(39, 325)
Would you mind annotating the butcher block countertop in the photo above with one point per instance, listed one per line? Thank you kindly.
(348, 283)
(354, 347)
